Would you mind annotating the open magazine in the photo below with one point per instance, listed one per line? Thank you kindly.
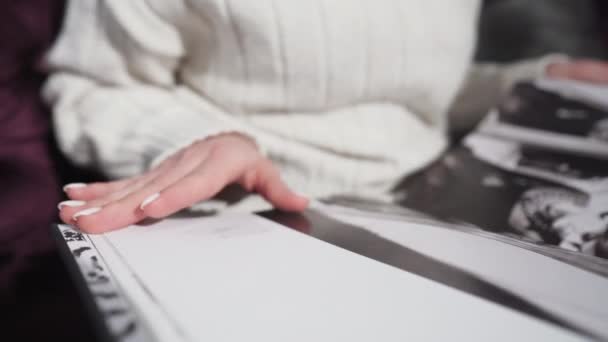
(536, 169)
(334, 273)
(524, 257)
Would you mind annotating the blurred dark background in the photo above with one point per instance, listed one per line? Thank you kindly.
(519, 29)
(37, 298)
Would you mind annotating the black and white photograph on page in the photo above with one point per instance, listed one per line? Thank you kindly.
(489, 189)
(535, 169)
(576, 122)
(572, 213)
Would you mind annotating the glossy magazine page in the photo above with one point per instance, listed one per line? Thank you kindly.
(536, 191)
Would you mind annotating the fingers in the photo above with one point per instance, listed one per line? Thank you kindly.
(271, 187)
(97, 220)
(86, 192)
(89, 199)
(70, 210)
(176, 190)
(583, 70)
(212, 176)
(202, 183)
(115, 189)
(197, 173)
(128, 209)
(122, 208)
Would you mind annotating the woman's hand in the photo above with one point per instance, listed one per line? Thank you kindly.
(195, 173)
(592, 71)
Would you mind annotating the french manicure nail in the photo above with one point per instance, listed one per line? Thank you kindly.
(74, 186)
(86, 212)
(149, 200)
(71, 204)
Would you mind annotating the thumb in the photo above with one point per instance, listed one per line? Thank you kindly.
(582, 70)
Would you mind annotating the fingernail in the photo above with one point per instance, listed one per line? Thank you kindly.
(71, 204)
(74, 186)
(149, 200)
(86, 212)
(315, 204)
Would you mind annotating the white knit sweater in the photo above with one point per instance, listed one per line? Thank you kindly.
(345, 96)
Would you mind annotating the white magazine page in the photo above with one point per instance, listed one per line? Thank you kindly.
(241, 277)
(568, 292)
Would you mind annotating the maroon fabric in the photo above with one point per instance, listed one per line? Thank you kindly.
(29, 187)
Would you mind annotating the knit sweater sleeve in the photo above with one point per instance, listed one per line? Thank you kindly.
(113, 87)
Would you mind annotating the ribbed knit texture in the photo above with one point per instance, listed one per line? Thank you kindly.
(345, 96)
